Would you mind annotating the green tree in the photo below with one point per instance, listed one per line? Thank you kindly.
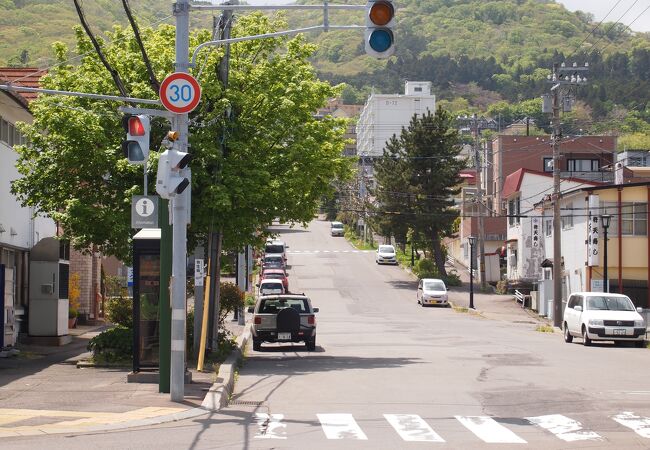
(417, 179)
(279, 160)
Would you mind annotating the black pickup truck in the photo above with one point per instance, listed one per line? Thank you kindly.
(284, 318)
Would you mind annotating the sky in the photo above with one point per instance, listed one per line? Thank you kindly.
(599, 8)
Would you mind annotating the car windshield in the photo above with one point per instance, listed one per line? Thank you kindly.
(337, 225)
(273, 248)
(272, 305)
(434, 286)
(270, 258)
(386, 249)
(273, 276)
(610, 303)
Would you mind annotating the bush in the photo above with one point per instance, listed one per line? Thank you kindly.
(452, 279)
(502, 287)
(426, 268)
(231, 298)
(112, 345)
(119, 311)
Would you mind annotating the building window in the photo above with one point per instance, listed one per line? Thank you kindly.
(417, 89)
(548, 227)
(548, 164)
(513, 212)
(583, 165)
(9, 134)
(567, 217)
(634, 218)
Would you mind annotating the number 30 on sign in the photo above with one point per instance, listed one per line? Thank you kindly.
(180, 93)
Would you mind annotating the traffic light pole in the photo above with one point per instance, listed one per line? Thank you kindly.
(179, 221)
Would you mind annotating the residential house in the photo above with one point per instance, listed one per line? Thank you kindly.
(583, 243)
(584, 157)
(20, 227)
(527, 228)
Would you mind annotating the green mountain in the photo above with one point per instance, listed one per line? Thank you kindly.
(480, 51)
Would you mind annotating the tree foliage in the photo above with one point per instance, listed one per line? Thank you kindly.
(279, 159)
(417, 178)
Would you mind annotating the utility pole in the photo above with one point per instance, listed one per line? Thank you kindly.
(179, 219)
(479, 199)
(562, 77)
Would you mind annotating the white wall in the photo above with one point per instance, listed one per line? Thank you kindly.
(385, 115)
(13, 216)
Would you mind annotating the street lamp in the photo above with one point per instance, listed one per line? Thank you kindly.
(472, 241)
(606, 218)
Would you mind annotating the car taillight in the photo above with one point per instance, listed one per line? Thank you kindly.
(257, 320)
(311, 320)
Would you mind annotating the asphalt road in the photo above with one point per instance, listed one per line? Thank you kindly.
(389, 374)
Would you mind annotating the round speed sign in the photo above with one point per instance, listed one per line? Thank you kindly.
(180, 93)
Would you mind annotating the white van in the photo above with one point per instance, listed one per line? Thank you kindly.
(271, 287)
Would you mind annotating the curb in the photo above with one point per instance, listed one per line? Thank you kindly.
(219, 394)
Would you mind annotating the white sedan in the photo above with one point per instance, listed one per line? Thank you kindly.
(604, 317)
(386, 255)
(432, 291)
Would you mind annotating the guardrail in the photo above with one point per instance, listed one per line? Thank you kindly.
(522, 298)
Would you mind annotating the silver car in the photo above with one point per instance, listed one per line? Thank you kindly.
(386, 255)
(284, 318)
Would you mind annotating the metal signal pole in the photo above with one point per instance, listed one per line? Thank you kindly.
(481, 208)
(566, 77)
(179, 220)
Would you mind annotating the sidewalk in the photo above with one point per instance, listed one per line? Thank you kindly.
(43, 392)
(489, 305)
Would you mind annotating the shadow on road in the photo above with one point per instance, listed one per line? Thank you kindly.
(309, 362)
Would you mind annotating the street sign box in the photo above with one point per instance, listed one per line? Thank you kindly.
(144, 211)
(180, 93)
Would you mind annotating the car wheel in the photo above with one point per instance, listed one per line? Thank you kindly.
(585, 339)
(257, 345)
(568, 338)
(639, 344)
(311, 344)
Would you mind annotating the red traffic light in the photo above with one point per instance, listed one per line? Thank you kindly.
(136, 127)
(381, 13)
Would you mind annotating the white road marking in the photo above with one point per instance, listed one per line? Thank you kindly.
(412, 428)
(565, 428)
(270, 426)
(489, 430)
(341, 426)
(640, 425)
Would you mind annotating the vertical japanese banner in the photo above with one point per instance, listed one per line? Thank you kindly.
(536, 224)
(593, 229)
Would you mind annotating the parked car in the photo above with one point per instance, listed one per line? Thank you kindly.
(273, 262)
(276, 247)
(276, 274)
(270, 287)
(603, 317)
(337, 229)
(386, 255)
(432, 291)
(284, 318)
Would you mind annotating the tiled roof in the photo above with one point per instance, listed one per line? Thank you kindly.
(22, 76)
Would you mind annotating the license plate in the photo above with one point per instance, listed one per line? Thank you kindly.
(433, 301)
(619, 331)
(284, 336)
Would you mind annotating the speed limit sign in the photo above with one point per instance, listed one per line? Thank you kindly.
(180, 93)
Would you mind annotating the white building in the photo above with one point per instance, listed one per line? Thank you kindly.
(20, 230)
(527, 228)
(384, 115)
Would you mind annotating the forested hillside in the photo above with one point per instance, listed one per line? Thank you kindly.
(476, 52)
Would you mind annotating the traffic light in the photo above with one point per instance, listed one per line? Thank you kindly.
(380, 20)
(173, 175)
(136, 144)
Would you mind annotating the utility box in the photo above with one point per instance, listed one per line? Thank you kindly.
(48, 291)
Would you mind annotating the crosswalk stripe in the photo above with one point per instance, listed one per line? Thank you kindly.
(341, 426)
(489, 430)
(412, 428)
(565, 428)
(270, 426)
(640, 425)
